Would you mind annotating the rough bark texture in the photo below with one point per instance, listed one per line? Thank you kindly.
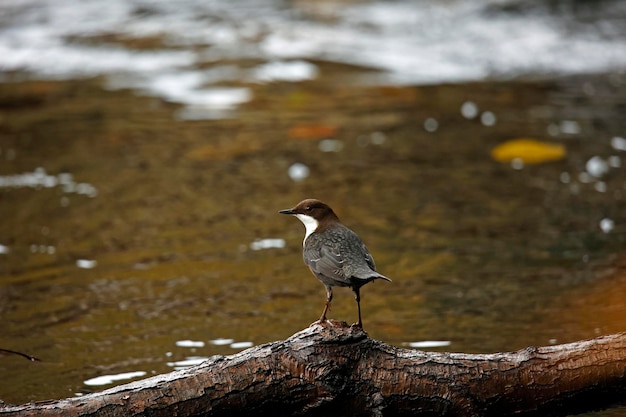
(338, 370)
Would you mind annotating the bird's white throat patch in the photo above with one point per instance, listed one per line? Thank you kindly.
(309, 223)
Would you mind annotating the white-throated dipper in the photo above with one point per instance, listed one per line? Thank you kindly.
(335, 254)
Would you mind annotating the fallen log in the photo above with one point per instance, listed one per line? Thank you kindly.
(336, 369)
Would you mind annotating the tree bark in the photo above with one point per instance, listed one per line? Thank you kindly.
(338, 370)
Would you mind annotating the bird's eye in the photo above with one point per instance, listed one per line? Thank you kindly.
(308, 208)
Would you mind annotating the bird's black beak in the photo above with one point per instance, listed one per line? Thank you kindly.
(288, 211)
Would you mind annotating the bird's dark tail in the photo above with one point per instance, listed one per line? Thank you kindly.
(371, 276)
(381, 276)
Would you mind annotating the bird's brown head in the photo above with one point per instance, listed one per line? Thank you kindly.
(312, 208)
(313, 213)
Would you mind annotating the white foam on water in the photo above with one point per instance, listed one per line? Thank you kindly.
(429, 42)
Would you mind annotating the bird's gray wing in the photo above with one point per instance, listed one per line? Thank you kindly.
(326, 261)
(368, 257)
(363, 266)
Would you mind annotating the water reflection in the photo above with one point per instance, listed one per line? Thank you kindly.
(152, 236)
(40, 179)
(330, 145)
(607, 225)
(187, 362)
(431, 125)
(291, 71)
(86, 263)
(618, 143)
(241, 345)
(194, 345)
(269, 243)
(428, 344)
(469, 110)
(110, 379)
(298, 171)
(597, 167)
(190, 343)
(221, 341)
(488, 118)
(185, 230)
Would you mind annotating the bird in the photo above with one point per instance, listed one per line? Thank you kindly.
(335, 254)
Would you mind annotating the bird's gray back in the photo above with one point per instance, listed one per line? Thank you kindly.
(339, 254)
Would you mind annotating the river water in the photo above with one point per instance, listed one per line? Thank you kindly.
(146, 150)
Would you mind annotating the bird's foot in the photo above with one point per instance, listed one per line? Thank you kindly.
(358, 325)
(330, 323)
(324, 322)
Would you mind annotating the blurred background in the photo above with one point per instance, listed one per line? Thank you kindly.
(478, 148)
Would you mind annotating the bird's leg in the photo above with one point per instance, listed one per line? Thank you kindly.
(357, 297)
(329, 298)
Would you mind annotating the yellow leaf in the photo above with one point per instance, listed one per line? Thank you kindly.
(530, 151)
